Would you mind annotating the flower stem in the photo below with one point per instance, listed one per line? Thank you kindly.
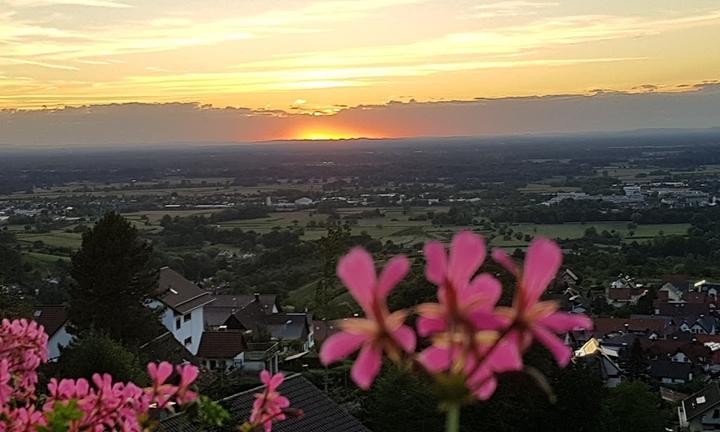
(452, 419)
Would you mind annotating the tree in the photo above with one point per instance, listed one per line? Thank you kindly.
(113, 280)
(632, 406)
(400, 401)
(94, 352)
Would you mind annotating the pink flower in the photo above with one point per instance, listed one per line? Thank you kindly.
(462, 301)
(380, 330)
(188, 374)
(270, 405)
(535, 319)
(462, 323)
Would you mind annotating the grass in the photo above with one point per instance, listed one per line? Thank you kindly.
(45, 258)
(538, 188)
(53, 238)
(161, 191)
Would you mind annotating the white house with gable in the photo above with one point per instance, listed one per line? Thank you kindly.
(184, 305)
(54, 320)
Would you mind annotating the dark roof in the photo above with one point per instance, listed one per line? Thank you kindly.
(670, 369)
(166, 348)
(620, 293)
(323, 329)
(284, 326)
(240, 301)
(321, 414)
(221, 344)
(178, 293)
(682, 309)
(610, 325)
(702, 401)
(215, 316)
(52, 317)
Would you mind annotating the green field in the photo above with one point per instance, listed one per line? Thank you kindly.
(53, 238)
(396, 227)
(161, 191)
(539, 188)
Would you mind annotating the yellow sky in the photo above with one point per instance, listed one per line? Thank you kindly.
(312, 55)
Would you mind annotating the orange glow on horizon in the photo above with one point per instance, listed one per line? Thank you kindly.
(326, 134)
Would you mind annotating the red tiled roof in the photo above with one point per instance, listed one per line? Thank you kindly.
(609, 325)
(694, 297)
(221, 344)
(620, 293)
(51, 317)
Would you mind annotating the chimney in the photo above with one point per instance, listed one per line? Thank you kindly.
(257, 297)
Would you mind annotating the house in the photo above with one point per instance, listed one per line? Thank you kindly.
(54, 319)
(670, 372)
(320, 413)
(624, 291)
(602, 360)
(183, 304)
(225, 305)
(701, 411)
(293, 328)
(222, 350)
(671, 292)
(304, 201)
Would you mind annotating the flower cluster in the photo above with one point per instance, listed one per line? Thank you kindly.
(77, 404)
(270, 406)
(469, 335)
(121, 406)
(23, 347)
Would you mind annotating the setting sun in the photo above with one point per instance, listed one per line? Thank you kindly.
(324, 134)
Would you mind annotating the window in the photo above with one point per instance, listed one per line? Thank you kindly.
(187, 317)
(178, 323)
(213, 364)
(188, 341)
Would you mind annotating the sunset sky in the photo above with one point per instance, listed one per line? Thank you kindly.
(318, 58)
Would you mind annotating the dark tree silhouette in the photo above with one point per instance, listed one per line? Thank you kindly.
(113, 280)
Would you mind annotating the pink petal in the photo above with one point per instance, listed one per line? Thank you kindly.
(339, 346)
(502, 258)
(482, 320)
(276, 380)
(357, 272)
(435, 359)
(392, 274)
(560, 322)
(486, 389)
(366, 367)
(559, 350)
(507, 357)
(467, 252)
(484, 286)
(426, 326)
(265, 377)
(405, 337)
(541, 264)
(436, 262)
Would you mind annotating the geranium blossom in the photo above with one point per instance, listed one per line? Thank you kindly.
(269, 406)
(380, 330)
(102, 404)
(461, 300)
(532, 318)
(460, 321)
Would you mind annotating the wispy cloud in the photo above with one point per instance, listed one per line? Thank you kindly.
(89, 3)
(511, 8)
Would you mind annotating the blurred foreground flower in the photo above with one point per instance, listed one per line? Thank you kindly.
(380, 331)
(472, 340)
